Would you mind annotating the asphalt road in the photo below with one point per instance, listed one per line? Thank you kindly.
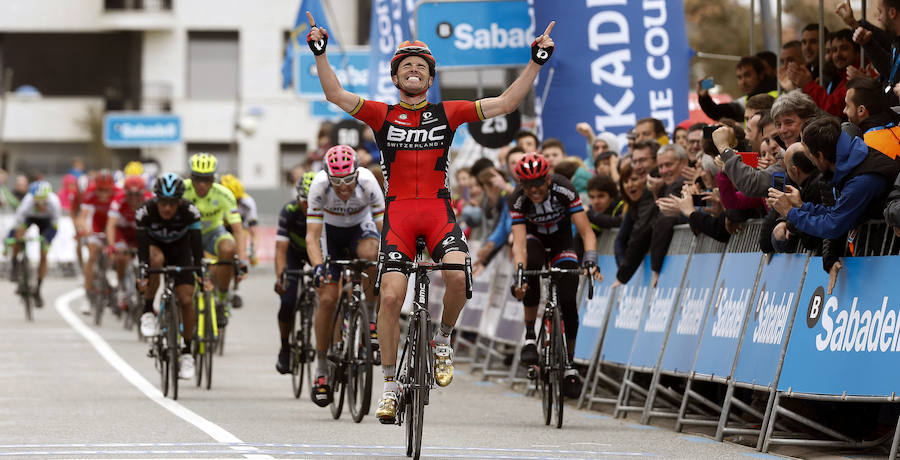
(69, 389)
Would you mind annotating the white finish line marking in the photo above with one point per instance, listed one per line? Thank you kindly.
(133, 377)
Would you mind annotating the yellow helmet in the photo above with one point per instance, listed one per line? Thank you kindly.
(134, 168)
(234, 184)
(203, 164)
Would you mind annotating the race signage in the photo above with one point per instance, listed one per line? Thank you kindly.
(465, 34)
(351, 68)
(626, 316)
(496, 132)
(849, 341)
(122, 129)
(347, 132)
(615, 62)
(652, 334)
(595, 312)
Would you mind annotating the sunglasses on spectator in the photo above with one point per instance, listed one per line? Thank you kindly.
(534, 183)
(346, 180)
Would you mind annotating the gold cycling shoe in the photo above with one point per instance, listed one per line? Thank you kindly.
(387, 408)
(443, 364)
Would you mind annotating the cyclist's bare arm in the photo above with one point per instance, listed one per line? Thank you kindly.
(281, 249)
(583, 227)
(513, 96)
(111, 223)
(313, 243)
(334, 92)
(519, 245)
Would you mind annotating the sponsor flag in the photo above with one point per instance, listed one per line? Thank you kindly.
(297, 42)
(392, 24)
(614, 64)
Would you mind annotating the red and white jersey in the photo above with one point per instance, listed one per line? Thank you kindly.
(121, 210)
(98, 210)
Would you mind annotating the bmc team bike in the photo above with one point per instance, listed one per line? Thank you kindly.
(351, 352)
(165, 347)
(207, 337)
(303, 350)
(549, 373)
(416, 364)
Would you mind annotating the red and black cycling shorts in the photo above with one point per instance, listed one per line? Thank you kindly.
(430, 218)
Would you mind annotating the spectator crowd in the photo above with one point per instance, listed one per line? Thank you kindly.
(810, 153)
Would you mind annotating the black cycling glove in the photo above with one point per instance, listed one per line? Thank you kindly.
(590, 260)
(317, 47)
(540, 55)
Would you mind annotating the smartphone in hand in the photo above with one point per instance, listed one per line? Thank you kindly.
(707, 83)
(778, 181)
(698, 200)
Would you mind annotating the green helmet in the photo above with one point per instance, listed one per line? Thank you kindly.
(303, 185)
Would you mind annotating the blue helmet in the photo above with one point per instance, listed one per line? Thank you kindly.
(40, 190)
(169, 185)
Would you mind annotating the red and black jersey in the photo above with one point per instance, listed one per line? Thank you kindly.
(415, 143)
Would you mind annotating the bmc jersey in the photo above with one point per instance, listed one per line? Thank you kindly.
(98, 210)
(415, 143)
(366, 203)
(551, 215)
(186, 218)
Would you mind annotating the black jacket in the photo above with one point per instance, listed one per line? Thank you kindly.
(634, 236)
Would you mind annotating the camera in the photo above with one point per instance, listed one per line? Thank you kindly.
(708, 131)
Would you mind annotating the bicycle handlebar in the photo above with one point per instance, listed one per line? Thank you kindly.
(409, 268)
(521, 273)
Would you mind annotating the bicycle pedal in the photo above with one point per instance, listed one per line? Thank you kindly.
(532, 372)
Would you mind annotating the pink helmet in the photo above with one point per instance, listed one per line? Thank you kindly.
(340, 161)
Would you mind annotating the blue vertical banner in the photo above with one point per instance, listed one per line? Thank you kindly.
(615, 62)
(297, 42)
(392, 24)
(627, 316)
(654, 327)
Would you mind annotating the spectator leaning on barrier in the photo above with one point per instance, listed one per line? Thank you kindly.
(861, 178)
(633, 240)
(873, 119)
(497, 220)
(695, 141)
(813, 189)
(790, 111)
(747, 179)
(750, 77)
(605, 210)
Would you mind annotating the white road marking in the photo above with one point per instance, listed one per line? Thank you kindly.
(133, 377)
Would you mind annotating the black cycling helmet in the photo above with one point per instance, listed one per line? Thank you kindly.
(414, 48)
(169, 185)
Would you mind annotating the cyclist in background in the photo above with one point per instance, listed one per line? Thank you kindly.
(290, 254)
(91, 222)
(168, 233)
(217, 206)
(347, 207)
(247, 209)
(121, 229)
(40, 207)
(414, 138)
(543, 208)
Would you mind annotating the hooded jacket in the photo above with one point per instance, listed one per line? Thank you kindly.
(861, 178)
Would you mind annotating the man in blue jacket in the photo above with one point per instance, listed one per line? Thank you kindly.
(861, 177)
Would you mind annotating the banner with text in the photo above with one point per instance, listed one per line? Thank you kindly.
(615, 62)
(846, 342)
(627, 313)
(649, 341)
(594, 313)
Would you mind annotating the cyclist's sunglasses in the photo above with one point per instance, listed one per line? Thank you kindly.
(205, 179)
(169, 201)
(534, 183)
(346, 180)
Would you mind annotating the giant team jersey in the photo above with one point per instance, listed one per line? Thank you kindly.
(366, 203)
(552, 215)
(415, 143)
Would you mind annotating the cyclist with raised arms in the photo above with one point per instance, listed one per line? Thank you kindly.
(414, 137)
(40, 207)
(121, 228)
(217, 206)
(347, 203)
(168, 233)
(91, 222)
(290, 254)
(543, 208)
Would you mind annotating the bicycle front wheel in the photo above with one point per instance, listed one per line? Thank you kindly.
(210, 342)
(558, 366)
(338, 355)
(25, 286)
(298, 356)
(542, 382)
(172, 323)
(359, 382)
(422, 381)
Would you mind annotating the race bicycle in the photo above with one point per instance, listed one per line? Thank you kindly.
(223, 312)
(351, 352)
(101, 295)
(553, 359)
(416, 364)
(21, 274)
(303, 350)
(166, 345)
(206, 338)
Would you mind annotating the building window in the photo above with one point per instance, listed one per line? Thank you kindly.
(213, 65)
(226, 160)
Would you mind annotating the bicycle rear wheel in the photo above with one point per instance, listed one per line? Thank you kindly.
(298, 356)
(161, 350)
(359, 381)
(558, 366)
(421, 383)
(199, 350)
(338, 357)
(100, 291)
(543, 378)
(25, 285)
(407, 383)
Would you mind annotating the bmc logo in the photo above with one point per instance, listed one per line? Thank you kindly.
(396, 134)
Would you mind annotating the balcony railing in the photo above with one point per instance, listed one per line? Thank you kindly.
(137, 5)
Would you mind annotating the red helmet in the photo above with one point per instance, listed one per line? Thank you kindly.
(135, 184)
(104, 180)
(531, 166)
(415, 48)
